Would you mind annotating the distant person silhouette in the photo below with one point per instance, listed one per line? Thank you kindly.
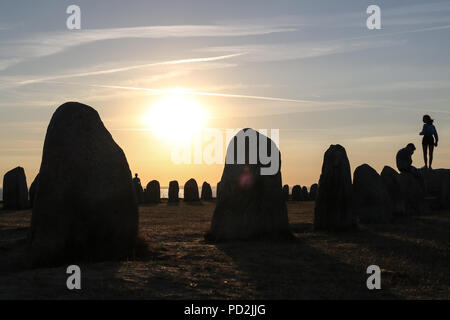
(404, 160)
(430, 139)
(136, 180)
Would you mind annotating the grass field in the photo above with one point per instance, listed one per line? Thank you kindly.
(413, 254)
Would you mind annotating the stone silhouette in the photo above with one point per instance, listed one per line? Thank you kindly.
(174, 190)
(218, 190)
(370, 199)
(191, 191)
(251, 204)
(435, 180)
(15, 190)
(33, 188)
(153, 192)
(444, 194)
(393, 187)
(313, 192)
(333, 209)
(206, 191)
(138, 190)
(286, 192)
(296, 193)
(305, 194)
(85, 206)
(413, 194)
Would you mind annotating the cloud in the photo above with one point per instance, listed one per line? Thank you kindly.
(48, 43)
(294, 51)
(128, 68)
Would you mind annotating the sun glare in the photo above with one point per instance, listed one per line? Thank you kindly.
(176, 116)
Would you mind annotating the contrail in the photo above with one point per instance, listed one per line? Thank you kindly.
(148, 65)
(201, 93)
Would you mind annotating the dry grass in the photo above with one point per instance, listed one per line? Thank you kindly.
(179, 264)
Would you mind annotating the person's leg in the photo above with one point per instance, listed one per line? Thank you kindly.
(431, 148)
(424, 148)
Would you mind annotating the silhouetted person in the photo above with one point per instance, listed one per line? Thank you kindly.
(430, 139)
(404, 160)
(136, 180)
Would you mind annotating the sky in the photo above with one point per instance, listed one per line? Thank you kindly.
(311, 69)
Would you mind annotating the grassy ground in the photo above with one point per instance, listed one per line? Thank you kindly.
(413, 254)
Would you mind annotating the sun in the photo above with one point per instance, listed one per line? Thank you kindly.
(176, 116)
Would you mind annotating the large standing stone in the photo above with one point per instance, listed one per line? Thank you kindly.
(191, 191)
(333, 209)
(33, 188)
(174, 190)
(251, 203)
(370, 199)
(313, 192)
(206, 191)
(393, 187)
(85, 207)
(218, 190)
(434, 183)
(286, 192)
(445, 191)
(153, 192)
(15, 190)
(296, 193)
(414, 194)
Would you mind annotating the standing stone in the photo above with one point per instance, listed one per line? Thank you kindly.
(286, 192)
(393, 187)
(333, 209)
(305, 195)
(33, 188)
(206, 191)
(174, 190)
(139, 192)
(445, 191)
(251, 203)
(218, 190)
(153, 192)
(313, 192)
(191, 191)
(85, 207)
(296, 193)
(414, 194)
(15, 190)
(370, 199)
(434, 182)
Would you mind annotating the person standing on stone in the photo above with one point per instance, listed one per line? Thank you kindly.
(430, 139)
(404, 160)
(136, 180)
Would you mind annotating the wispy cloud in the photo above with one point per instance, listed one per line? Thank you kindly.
(128, 68)
(48, 43)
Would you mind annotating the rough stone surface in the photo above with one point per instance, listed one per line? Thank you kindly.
(251, 204)
(206, 191)
(191, 191)
(153, 192)
(370, 199)
(85, 207)
(15, 190)
(333, 209)
(174, 190)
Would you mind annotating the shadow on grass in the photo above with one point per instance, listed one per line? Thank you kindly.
(295, 270)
